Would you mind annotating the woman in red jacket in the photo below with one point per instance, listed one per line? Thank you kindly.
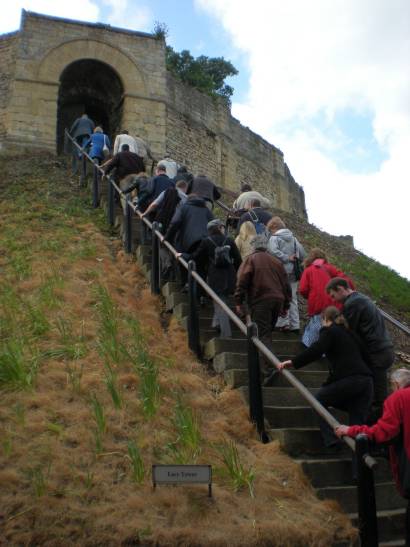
(394, 424)
(312, 286)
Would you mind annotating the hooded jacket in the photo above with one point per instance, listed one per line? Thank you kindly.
(190, 222)
(313, 285)
(204, 188)
(282, 245)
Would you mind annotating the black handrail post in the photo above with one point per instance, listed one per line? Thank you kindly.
(155, 271)
(128, 225)
(83, 169)
(111, 204)
(255, 389)
(193, 317)
(366, 497)
(95, 187)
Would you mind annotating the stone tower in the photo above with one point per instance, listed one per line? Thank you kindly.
(52, 70)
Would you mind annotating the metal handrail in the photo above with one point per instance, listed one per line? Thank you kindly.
(395, 322)
(323, 413)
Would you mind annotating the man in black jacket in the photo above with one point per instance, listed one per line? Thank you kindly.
(366, 320)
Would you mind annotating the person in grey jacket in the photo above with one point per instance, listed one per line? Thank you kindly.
(205, 189)
(284, 246)
(81, 130)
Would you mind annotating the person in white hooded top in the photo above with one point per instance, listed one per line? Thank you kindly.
(284, 246)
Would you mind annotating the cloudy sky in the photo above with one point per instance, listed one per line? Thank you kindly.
(328, 82)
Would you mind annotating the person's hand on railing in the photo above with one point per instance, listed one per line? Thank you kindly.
(341, 431)
(284, 364)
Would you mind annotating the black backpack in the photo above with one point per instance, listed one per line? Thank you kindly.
(222, 254)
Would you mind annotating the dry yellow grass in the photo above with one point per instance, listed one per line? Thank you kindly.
(57, 489)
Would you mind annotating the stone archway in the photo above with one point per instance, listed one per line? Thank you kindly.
(93, 87)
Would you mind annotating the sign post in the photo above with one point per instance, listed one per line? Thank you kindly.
(182, 474)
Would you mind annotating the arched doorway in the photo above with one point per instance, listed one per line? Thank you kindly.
(91, 87)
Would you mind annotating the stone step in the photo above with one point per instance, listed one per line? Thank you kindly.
(285, 396)
(181, 312)
(296, 416)
(234, 360)
(221, 345)
(300, 441)
(337, 471)
(143, 255)
(391, 526)
(179, 297)
(387, 496)
(239, 377)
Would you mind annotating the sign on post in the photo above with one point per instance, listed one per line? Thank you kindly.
(182, 474)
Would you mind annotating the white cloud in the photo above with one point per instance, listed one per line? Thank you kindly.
(85, 10)
(321, 57)
(129, 14)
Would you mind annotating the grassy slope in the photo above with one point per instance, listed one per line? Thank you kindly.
(94, 390)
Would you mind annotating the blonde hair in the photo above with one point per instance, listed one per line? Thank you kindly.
(247, 231)
(98, 129)
(275, 224)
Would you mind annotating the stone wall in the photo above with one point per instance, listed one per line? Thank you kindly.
(47, 45)
(202, 133)
(177, 120)
(7, 69)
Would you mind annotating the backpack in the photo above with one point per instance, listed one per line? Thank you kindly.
(297, 264)
(222, 254)
(259, 226)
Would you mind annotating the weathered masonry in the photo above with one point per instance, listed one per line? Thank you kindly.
(52, 70)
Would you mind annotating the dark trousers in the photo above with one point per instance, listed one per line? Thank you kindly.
(353, 394)
(408, 524)
(265, 314)
(382, 361)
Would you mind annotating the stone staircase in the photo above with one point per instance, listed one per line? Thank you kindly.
(291, 421)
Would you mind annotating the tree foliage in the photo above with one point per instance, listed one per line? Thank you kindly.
(207, 74)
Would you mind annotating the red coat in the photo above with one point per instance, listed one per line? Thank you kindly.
(313, 285)
(395, 423)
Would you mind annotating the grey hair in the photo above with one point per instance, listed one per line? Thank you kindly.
(259, 242)
(401, 376)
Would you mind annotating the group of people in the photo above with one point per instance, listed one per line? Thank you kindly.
(260, 267)
(91, 138)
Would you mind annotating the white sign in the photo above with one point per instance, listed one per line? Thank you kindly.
(182, 474)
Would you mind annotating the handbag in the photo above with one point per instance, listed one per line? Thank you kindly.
(297, 265)
(106, 150)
